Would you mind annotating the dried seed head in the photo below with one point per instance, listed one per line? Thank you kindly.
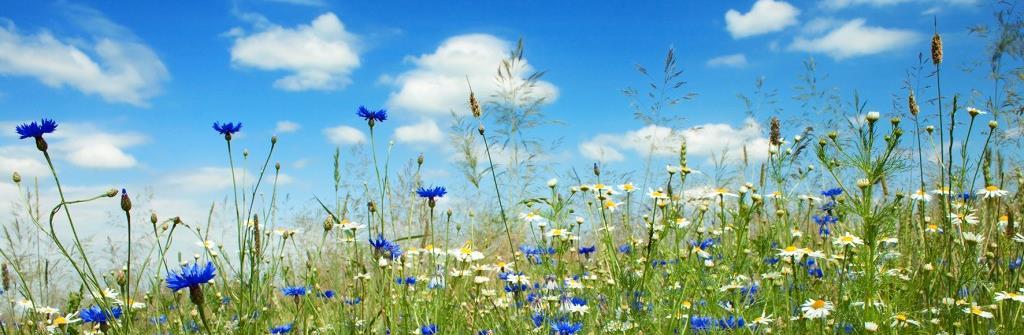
(936, 49)
(474, 106)
(328, 223)
(912, 104)
(371, 207)
(775, 135)
(6, 277)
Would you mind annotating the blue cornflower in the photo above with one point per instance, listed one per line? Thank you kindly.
(96, 315)
(383, 246)
(625, 248)
(227, 129)
(732, 322)
(191, 275)
(566, 328)
(431, 192)
(832, 192)
(282, 329)
(815, 271)
(353, 301)
(700, 323)
(407, 280)
(372, 117)
(537, 319)
(294, 291)
(586, 251)
(1016, 263)
(430, 329)
(329, 294)
(36, 130)
(485, 332)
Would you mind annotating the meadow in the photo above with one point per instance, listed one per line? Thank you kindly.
(904, 221)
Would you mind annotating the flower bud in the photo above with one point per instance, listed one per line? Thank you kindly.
(152, 218)
(873, 116)
(126, 203)
(16, 177)
(993, 124)
(273, 139)
(419, 160)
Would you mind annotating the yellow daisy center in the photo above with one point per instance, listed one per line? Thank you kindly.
(991, 188)
(818, 304)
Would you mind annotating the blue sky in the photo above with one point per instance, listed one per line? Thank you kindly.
(137, 84)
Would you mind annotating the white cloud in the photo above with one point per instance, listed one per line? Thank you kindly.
(319, 56)
(735, 60)
(438, 85)
(286, 127)
(764, 17)
(344, 135)
(707, 140)
(426, 131)
(853, 38)
(23, 159)
(113, 64)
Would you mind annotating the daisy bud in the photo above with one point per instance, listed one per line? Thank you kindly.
(833, 135)
(480, 129)
(277, 166)
(16, 177)
(552, 182)
(273, 139)
(973, 111)
(894, 121)
(152, 218)
(597, 170)
(991, 125)
(863, 183)
(111, 193)
(929, 129)
(419, 160)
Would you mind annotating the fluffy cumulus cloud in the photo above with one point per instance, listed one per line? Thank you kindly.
(111, 62)
(320, 55)
(764, 17)
(841, 40)
(707, 140)
(426, 131)
(735, 61)
(437, 83)
(344, 135)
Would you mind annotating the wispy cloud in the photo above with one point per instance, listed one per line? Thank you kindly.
(734, 60)
(112, 63)
(707, 140)
(855, 38)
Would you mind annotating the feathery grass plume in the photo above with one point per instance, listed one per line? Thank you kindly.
(474, 106)
(936, 49)
(682, 156)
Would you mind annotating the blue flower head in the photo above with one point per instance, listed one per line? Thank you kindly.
(586, 251)
(329, 294)
(1016, 263)
(191, 275)
(372, 117)
(832, 192)
(383, 246)
(36, 130)
(700, 323)
(566, 328)
(294, 291)
(537, 319)
(227, 129)
(430, 329)
(431, 192)
(96, 315)
(732, 322)
(282, 329)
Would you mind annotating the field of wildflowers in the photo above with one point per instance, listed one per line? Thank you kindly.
(886, 224)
